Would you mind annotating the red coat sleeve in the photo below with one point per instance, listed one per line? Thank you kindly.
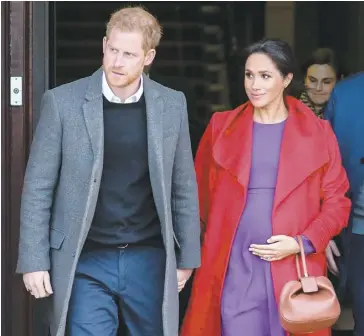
(335, 208)
(205, 173)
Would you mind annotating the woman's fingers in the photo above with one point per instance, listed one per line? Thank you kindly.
(264, 254)
(281, 248)
(267, 247)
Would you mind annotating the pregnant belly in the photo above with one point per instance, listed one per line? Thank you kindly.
(255, 224)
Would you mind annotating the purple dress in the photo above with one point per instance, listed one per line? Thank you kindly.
(248, 303)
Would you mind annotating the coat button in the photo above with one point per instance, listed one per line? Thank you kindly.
(95, 180)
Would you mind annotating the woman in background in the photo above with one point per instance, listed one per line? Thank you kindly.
(321, 72)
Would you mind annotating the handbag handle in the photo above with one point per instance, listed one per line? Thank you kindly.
(303, 259)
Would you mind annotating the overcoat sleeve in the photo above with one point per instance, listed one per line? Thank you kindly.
(40, 181)
(335, 206)
(184, 199)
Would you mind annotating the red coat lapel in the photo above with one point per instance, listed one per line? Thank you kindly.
(301, 149)
(233, 146)
(300, 155)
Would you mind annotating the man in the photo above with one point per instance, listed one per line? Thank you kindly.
(345, 113)
(109, 192)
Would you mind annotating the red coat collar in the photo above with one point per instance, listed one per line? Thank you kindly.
(303, 147)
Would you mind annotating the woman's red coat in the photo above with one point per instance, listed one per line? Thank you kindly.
(309, 200)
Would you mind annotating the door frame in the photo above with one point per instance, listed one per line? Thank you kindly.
(21, 57)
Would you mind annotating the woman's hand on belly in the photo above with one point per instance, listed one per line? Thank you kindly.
(278, 247)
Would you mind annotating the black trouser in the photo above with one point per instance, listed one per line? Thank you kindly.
(356, 281)
(342, 333)
(184, 297)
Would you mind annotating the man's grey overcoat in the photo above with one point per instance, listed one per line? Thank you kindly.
(62, 183)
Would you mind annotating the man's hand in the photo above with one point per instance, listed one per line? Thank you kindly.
(182, 277)
(332, 251)
(38, 284)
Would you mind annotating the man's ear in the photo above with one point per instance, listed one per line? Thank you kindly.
(149, 57)
(104, 42)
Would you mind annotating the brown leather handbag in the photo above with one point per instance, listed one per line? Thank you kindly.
(308, 304)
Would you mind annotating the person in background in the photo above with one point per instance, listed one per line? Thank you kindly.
(321, 72)
(345, 112)
(268, 171)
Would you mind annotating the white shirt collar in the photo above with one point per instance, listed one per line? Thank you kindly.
(112, 98)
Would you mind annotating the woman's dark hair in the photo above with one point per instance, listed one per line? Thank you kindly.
(323, 56)
(277, 50)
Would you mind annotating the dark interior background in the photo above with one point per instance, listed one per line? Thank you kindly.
(201, 41)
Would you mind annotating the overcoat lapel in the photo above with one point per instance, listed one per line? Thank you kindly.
(233, 146)
(155, 107)
(300, 156)
(93, 114)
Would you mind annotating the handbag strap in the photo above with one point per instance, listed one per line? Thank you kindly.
(303, 259)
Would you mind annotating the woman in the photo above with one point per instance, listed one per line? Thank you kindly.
(267, 171)
(321, 72)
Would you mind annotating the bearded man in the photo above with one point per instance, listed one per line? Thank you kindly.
(109, 218)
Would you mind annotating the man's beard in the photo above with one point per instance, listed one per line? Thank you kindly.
(128, 79)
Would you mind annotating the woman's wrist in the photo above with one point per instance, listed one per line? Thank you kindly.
(298, 249)
(307, 245)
